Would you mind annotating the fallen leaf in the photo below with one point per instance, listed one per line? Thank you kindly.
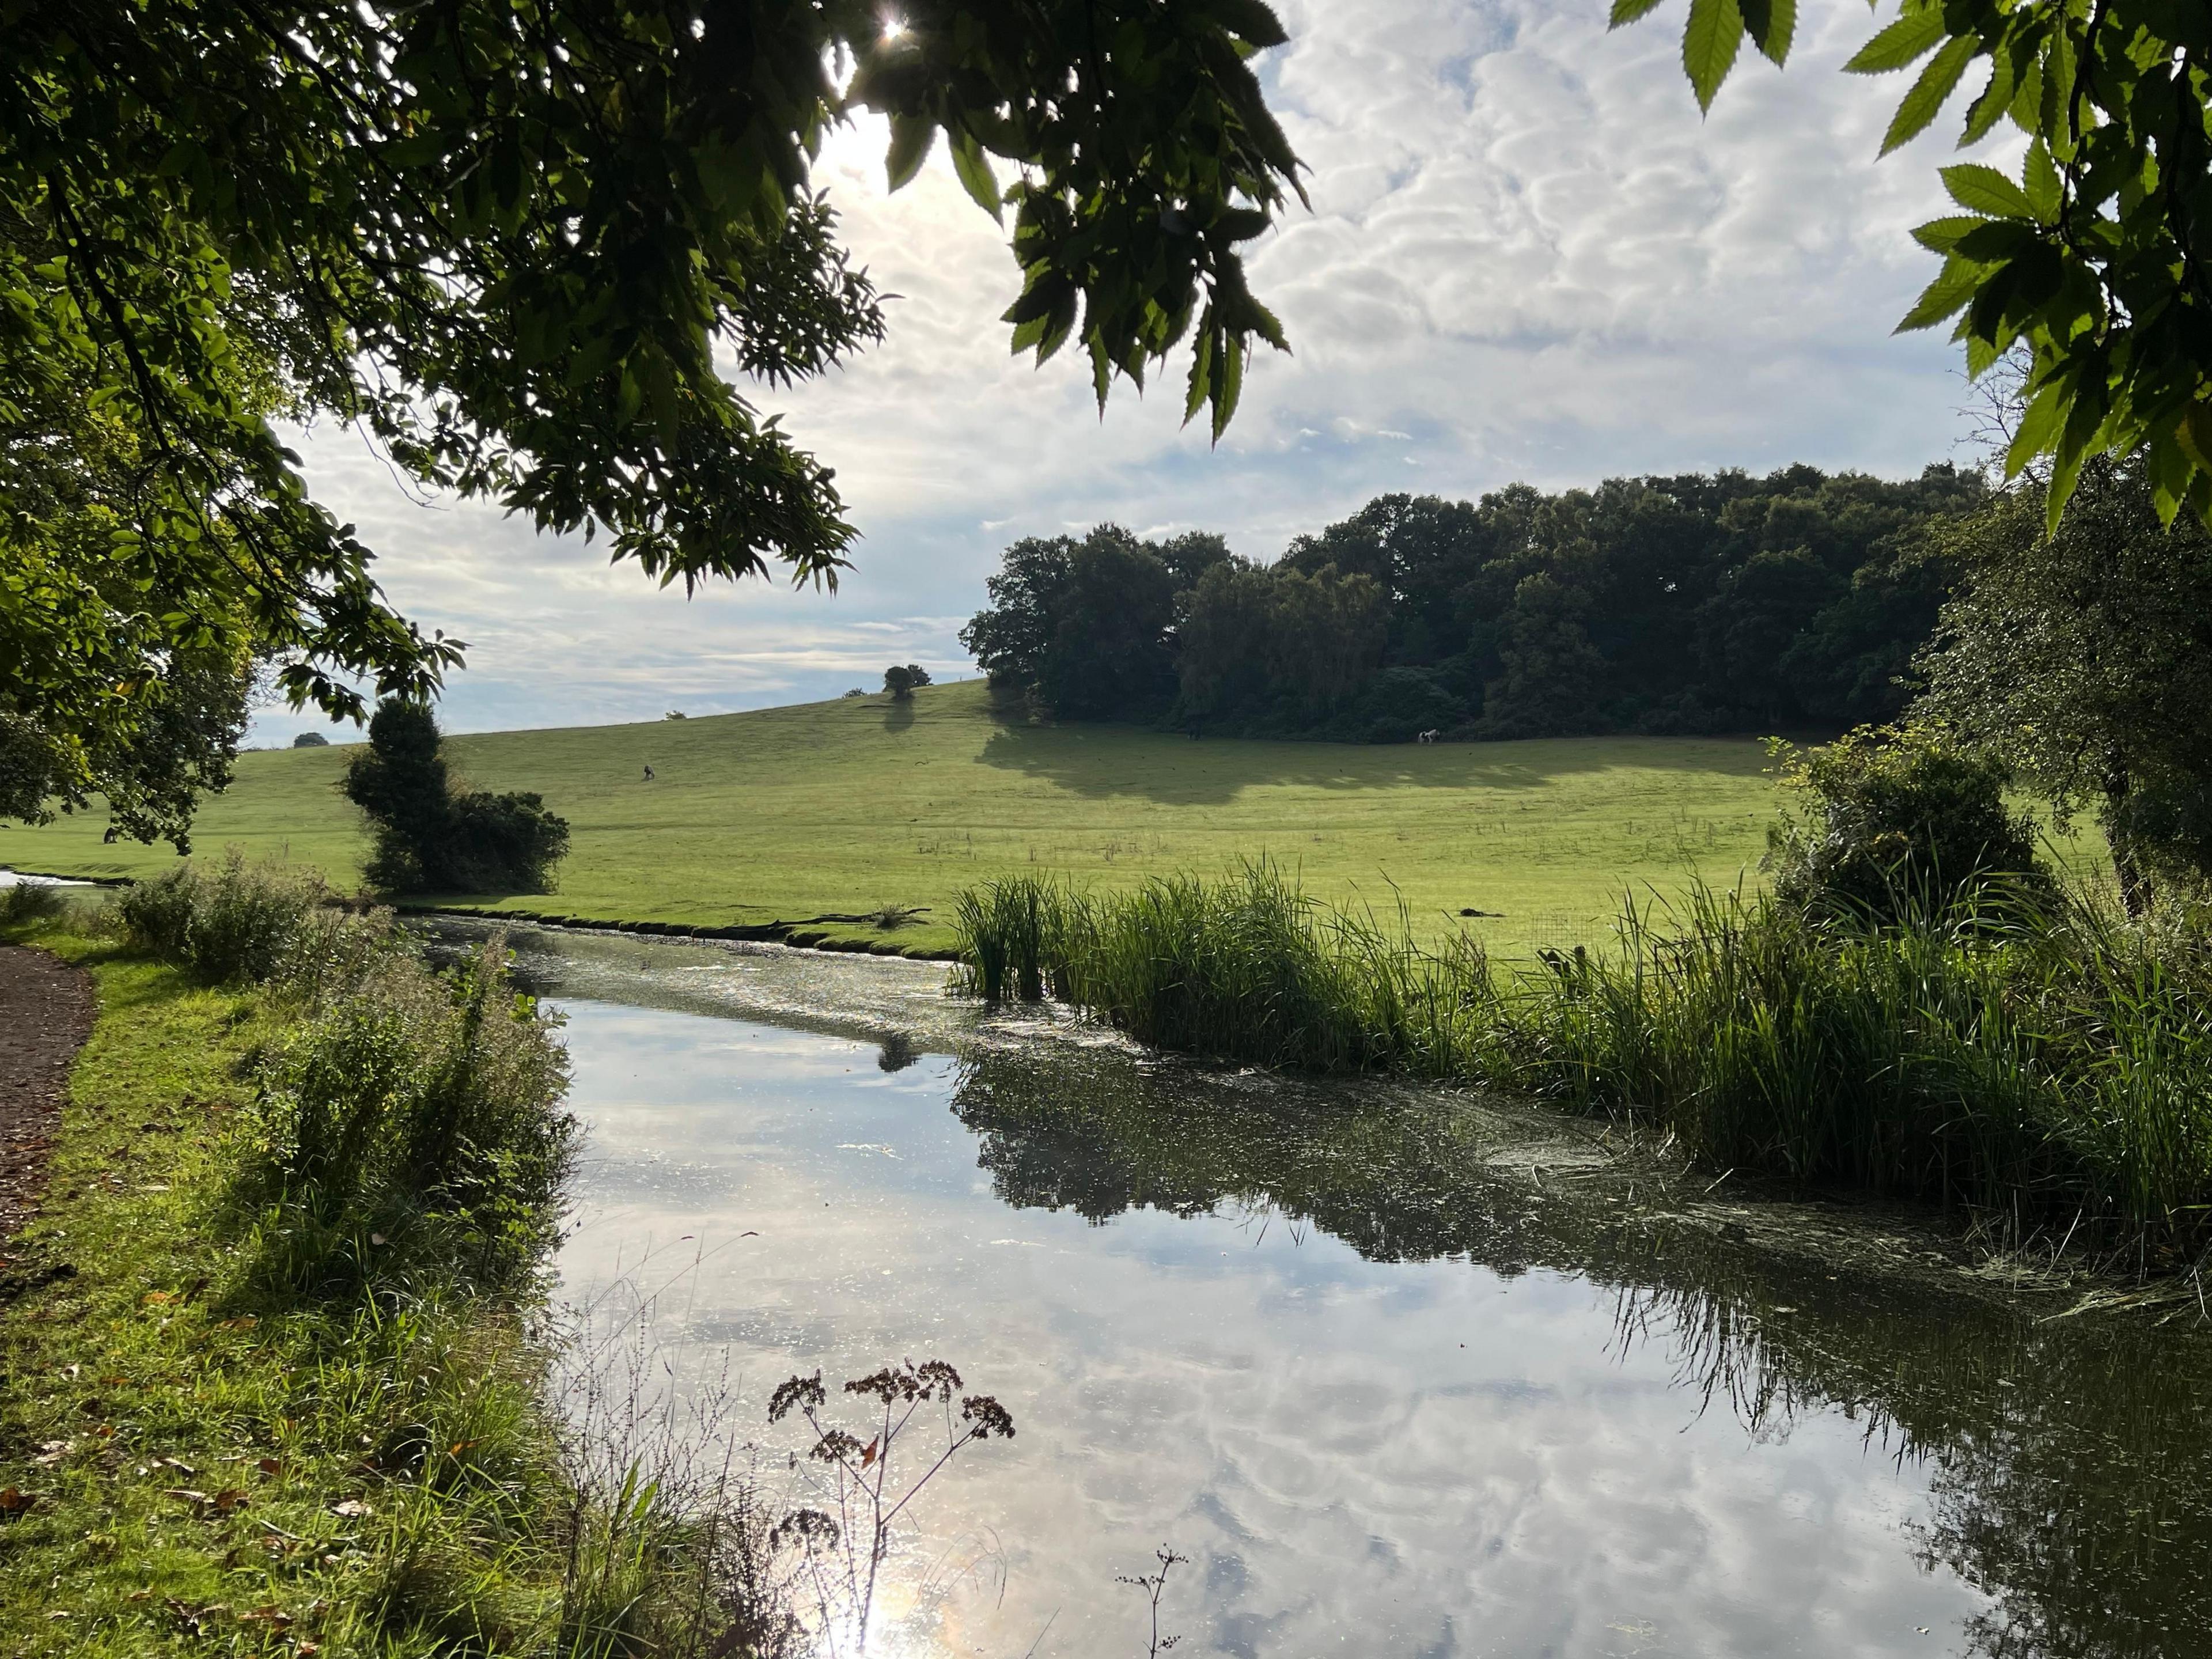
(376, 1239)
(51, 1452)
(176, 1463)
(13, 1502)
(154, 1299)
(351, 1509)
(273, 1616)
(460, 1446)
(270, 1466)
(244, 1323)
(232, 1498)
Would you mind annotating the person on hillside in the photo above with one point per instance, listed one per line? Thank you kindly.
(648, 772)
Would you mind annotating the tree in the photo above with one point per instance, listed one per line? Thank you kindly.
(2085, 660)
(2099, 256)
(311, 740)
(434, 837)
(1554, 676)
(508, 242)
(902, 681)
(1085, 628)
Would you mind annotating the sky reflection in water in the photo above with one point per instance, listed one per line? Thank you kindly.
(1418, 1456)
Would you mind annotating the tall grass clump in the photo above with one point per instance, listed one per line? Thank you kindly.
(416, 1116)
(231, 924)
(2032, 1055)
(1246, 968)
(1009, 932)
(2026, 1052)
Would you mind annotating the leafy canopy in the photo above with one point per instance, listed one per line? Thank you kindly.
(2098, 256)
(514, 241)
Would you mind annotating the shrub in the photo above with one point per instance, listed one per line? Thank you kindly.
(433, 838)
(1899, 821)
(418, 1117)
(230, 926)
(30, 902)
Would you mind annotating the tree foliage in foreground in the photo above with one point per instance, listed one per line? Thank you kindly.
(2098, 256)
(515, 241)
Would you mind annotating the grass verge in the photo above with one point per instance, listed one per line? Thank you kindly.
(237, 1416)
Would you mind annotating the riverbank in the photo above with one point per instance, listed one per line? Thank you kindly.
(2040, 1062)
(239, 1405)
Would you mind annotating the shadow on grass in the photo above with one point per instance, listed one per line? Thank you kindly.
(1098, 761)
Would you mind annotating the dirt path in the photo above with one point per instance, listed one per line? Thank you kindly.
(45, 1014)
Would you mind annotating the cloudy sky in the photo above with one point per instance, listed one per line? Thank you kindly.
(1528, 258)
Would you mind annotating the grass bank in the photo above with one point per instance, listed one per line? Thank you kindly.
(844, 808)
(2043, 1062)
(269, 1381)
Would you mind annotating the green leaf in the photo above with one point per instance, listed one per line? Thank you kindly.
(1921, 105)
(974, 168)
(1910, 38)
(1988, 109)
(911, 137)
(1231, 388)
(1957, 283)
(1629, 11)
(2040, 425)
(1986, 191)
(2039, 177)
(1709, 42)
(1772, 24)
(1941, 235)
(1201, 380)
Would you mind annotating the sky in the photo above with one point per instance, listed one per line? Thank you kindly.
(1528, 258)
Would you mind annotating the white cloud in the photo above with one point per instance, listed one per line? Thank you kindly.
(1528, 258)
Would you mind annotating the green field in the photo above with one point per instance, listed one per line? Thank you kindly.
(783, 814)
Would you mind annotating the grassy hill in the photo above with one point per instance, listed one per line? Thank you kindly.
(845, 807)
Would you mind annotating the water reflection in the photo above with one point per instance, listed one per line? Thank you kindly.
(1402, 1373)
(2067, 1461)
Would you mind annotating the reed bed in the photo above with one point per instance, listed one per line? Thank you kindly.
(2034, 1056)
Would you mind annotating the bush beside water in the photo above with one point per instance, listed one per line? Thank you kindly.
(2030, 1054)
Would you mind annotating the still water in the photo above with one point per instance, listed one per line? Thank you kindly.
(1399, 1372)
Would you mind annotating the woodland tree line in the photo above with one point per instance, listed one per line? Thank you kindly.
(1692, 604)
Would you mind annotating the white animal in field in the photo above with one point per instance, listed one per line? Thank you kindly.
(1430, 736)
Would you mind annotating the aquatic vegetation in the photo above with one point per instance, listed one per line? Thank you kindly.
(2033, 1055)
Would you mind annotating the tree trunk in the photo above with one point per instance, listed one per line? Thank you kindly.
(2133, 880)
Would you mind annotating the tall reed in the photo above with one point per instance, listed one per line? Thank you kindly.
(2034, 1054)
